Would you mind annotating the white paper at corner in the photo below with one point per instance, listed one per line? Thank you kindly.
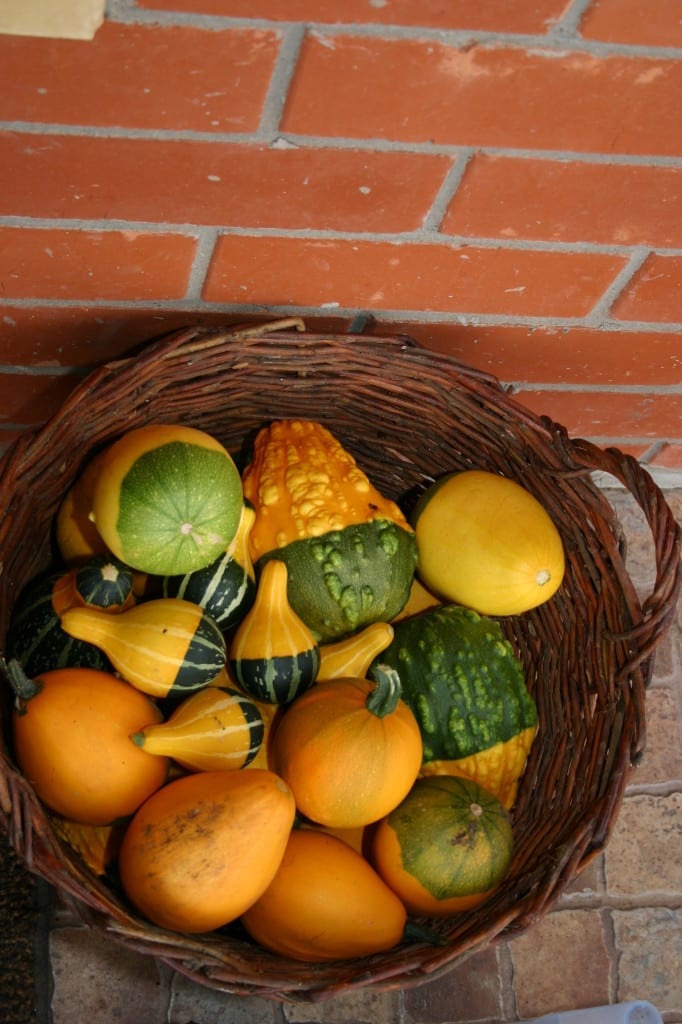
(56, 19)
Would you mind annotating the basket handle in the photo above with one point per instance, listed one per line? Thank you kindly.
(659, 607)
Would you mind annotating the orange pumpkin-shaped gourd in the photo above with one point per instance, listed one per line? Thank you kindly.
(71, 732)
(349, 748)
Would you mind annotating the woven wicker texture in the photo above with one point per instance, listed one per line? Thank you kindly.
(408, 416)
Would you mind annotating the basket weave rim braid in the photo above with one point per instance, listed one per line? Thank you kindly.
(407, 415)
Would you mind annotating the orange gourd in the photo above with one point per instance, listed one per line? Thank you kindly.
(205, 847)
(349, 748)
(325, 903)
(71, 730)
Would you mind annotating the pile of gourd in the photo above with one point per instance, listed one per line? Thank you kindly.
(267, 697)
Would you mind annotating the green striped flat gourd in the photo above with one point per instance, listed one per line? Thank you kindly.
(273, 655)
(214, 728)
(166, 647)
(226, 588)
(104, 582)
(36, 638)
(167, 499)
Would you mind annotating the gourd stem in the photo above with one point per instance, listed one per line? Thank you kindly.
(23, 686)
(383, 699)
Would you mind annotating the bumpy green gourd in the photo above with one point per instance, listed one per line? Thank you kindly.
(350, 553)
(462, 679)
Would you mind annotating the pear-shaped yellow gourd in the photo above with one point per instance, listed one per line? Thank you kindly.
(164, 647)
(212, 729)
(274, 656)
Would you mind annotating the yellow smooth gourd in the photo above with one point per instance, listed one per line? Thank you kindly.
(352, 656)
(76, 536)
(212, 729)
(485, 542)
(163, 646)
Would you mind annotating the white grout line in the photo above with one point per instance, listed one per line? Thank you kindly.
(618, 285)
(333, 142)
(282, 76)
(555, 39)
(450, 184)
(387, 316)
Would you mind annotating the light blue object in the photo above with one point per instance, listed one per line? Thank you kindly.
(636, 1012)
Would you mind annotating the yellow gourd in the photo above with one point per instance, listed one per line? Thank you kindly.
(487, 543)
(212, 729)
(273, 655)
(353, 655)
(164, 647)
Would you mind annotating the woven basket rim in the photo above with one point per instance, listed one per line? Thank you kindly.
(257, 359)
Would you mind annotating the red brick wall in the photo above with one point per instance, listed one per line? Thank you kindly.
(500, 179)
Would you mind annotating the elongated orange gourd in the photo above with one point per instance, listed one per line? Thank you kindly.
(325, 903)
(163, 647)
(205, 847)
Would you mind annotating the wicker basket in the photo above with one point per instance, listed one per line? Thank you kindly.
(407, 415)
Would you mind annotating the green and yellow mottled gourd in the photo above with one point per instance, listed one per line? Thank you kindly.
(164, 647)
(273, 655)
(350, 552)
(212, 729)
(445, 848)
